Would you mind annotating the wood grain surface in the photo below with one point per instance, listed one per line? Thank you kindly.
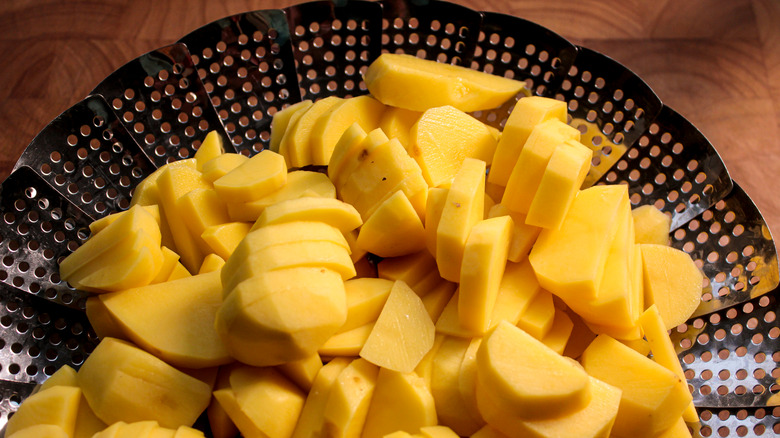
(716, 62)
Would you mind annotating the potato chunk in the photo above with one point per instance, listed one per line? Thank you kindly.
(569, 261)
(526, 114)
(312, 416)
(443, 137)
(592, 421)
(394, 229)
(484, 259)
(652, 225)
(673, 282)
(653, 397)
(57, 406)
(349, 399)
(508, 364)
(403, 333)
(257, 177)
(401, 401)
(416, 84)
(329, 127)
(280, 316)
(251, 388)
(121, 382)
(173, 320)
(463, 208)
(530, 166)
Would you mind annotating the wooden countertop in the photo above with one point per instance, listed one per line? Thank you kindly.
(715, 62)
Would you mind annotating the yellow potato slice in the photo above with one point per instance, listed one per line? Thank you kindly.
(351, 150)
(147, 193)
(451, 408)
(124, 383)
(570, 261)
(174, 183)
(329, 127)
(463, 208)
(593, 421)
(410, 269)
(394, 229)
(562, 179)
(300, 184)
(660, 344)
(406, 396)
(397, 123)
(57, 406)
(259, 176)
(210, 148)
(403, 332)
(537, 319)
(173, 320)
(280, 316)
(437, 198)
(283, 119)
(528, 170)
(303, 371)
(484, 259)
(507, 364)
(312, 416)
(331, 211)
(559, 333)
(672, 281)
(133, 261)
(435, 301)
(523, 235)
(653, 397)
(614, 304)
(526, 114)
(202, 208)
(365, 299)
(251, 387)
(347, 343)
(100, 224)
(40, 431)
(295, 146)
(221, 165)
(443, 137)
(651, 224)
(383, 170)
(125, 227)
(312, 254)
(349, 400)
(413, 83)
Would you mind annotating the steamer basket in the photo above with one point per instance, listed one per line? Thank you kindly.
(235, 73)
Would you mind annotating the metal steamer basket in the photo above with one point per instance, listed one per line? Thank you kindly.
(232, 75)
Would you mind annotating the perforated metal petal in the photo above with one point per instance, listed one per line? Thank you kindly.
(11, 395)
(519, 49)
(39, 228)
(731, 356)
(739, 422)
(610, 105)
(246, 64)
(732, 245)
(88, 156)
(674, 167)
(161, 100)
(436, 30)
(333, 46)
(39, 337)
